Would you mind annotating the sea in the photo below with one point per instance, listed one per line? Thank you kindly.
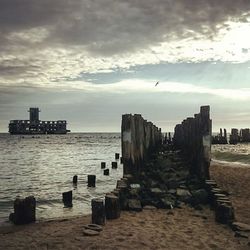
(236, 155)
(44, 165)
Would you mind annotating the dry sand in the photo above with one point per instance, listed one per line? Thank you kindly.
(236, 180)
(183, 228)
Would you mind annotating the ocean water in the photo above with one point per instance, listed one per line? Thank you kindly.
(44, 165)
(235, 154)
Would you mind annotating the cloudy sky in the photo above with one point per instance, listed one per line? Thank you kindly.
(90, 61)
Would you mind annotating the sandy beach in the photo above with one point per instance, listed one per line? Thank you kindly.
(151, 229)
(180, 228)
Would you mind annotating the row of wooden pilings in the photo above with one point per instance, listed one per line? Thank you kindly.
(193, 137)
(140, 139)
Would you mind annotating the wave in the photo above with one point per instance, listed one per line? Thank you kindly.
(231, 157)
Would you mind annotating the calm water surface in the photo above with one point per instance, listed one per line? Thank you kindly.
(43, 166)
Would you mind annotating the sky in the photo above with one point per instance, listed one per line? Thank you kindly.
(90, 61)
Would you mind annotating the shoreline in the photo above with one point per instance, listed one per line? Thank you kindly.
(179, 228)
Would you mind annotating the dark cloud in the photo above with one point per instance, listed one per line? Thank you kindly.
(111, 26)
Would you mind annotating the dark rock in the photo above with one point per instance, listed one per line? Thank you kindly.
(149, 208)
(238, 226)
(183, 194)
(157, 192)
(94, 227)
(167, 203)
(135, 185)
(172, 191)
(241, 235)
(198, 207)
(134, 205)
(172, 184)
(89, 232)
(134, 193)
(200, 196)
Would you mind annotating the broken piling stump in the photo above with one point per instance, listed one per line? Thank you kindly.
(224, 213)
(112, 207)
(103, 165)
(24, 211)
(75, 178)
(117, 156)
(98, 211)
(91, 180)
(67, 199)
(114, 165)
(106, 171)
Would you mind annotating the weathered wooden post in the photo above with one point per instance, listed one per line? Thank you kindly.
(67, 199)
(103, 165)
(106, 171)
(98, 211)
(24, 211)
(91, 180)
(224, 213)
(117, 156)
(114, 164)
(75, 179)
(112, 206)
(206, 130)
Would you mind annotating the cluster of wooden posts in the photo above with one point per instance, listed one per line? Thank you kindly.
(221, 138)
(25, 208)
(193, 138)
(115, 201)
(140, 139)
(236, 136)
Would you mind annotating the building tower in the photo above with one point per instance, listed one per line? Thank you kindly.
(34, 114)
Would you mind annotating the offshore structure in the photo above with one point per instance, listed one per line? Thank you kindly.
(36, 126)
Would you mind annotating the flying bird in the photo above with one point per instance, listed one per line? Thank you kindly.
(156, 84)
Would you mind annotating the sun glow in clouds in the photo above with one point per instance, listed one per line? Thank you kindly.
(138, 86)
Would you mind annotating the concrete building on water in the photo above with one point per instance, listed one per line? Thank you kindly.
(35, 126)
